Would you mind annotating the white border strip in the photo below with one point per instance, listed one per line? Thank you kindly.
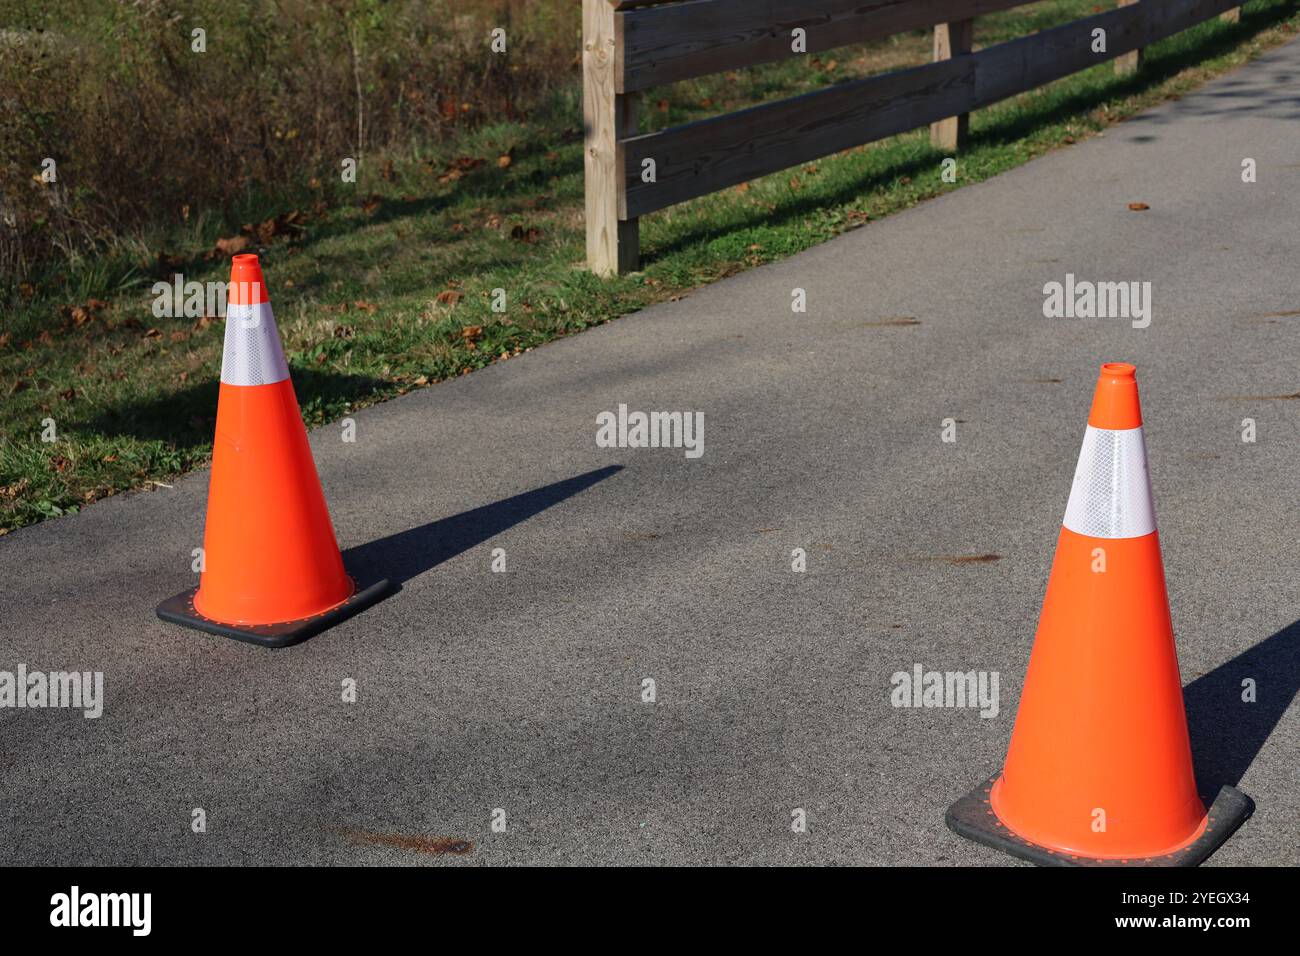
(1111, 495)
(252, 354)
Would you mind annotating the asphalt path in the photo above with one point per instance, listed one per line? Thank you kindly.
(523, 691)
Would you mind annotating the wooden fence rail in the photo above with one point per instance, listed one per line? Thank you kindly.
(629, 45)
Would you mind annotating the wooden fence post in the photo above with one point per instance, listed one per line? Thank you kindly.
(613, 245)
(950, 40)
(1130, 62)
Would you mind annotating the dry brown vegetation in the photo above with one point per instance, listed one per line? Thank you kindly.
(144, 129)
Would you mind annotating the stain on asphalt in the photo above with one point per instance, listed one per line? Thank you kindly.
(892, 322)
(435, 846)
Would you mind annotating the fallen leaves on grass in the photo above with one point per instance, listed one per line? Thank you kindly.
(459, 166)
(10, 492)
(529, 234)
(287, 223)
(233, 246)
(79, 315)
(450, 296)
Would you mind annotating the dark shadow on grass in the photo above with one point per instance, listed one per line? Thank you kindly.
(400, 557)
(486, 184)
(788, 212)
(185, 418)
(1228, 733)
(1157, 68)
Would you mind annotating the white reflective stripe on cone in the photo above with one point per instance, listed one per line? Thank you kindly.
(252, 355)
(1111, 496)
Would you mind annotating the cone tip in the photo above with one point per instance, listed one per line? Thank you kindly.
(1119, 370)
(246, 283)
(1115, 404)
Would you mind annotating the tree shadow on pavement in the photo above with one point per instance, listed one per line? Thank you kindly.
(1228, 733)
(400, 557)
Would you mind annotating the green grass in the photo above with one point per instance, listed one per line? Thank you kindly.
(356, 287)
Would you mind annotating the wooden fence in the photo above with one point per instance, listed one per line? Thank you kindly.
(629, 45)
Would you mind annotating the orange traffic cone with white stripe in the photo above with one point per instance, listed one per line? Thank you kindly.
(272, 573)
(1099, 770)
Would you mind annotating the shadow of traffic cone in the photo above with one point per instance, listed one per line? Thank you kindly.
(272, 573)
(1099, 770)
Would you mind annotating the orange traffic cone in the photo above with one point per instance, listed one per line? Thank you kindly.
(1099, 770)
(272, 573)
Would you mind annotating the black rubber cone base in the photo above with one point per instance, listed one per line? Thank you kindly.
(972, 817)
(180, 610)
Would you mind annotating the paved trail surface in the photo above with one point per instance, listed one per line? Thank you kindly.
(522, 690)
